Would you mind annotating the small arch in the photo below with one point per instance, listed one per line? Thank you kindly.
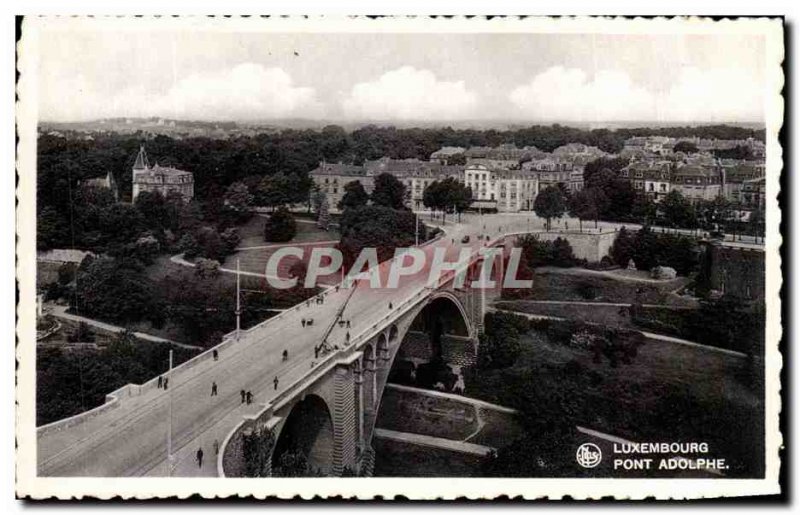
(393, 333)
(382, 349)
(305, 445)
(368, 374)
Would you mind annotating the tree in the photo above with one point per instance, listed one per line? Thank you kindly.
(388, 192)
(115, 290)
(52, 230)
(715, 214)
(316, 199)
(687, 147)
(238, 198)
(622, 249)
(587, 204)
(206, 268)
(677, 210)
(154, 210)
(378, 227)
(354, 196)
(446, 194)
(549, 204)
(280, 227)
(323, 215)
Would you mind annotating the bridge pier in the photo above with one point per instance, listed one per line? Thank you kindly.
(344, 420)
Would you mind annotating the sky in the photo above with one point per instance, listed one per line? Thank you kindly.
(522, 78)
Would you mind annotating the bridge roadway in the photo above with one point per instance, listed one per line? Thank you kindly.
(131, 439)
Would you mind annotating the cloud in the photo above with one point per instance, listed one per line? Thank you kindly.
(409, 94)
(247, 91)
(565, 94)
(695, 95)
(715, 95)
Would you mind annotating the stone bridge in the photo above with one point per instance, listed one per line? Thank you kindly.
(329, 417)
(321, 404)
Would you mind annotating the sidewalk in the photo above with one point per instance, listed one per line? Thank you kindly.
(61, 312)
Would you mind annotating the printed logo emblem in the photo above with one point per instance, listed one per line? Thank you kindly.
(589, 455)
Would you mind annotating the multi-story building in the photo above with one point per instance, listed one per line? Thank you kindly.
(331, 178)
(162, 179)
(734, 177)
(649, 178)
(414, 174)
(501, 189)
(696, 182)
(753, 193)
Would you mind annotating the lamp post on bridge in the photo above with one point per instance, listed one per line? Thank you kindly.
(169, 421)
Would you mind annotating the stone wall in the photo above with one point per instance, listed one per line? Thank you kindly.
(591, 246)
(737, 271)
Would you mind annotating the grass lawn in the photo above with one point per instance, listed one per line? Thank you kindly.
(400, 459)
(567, 286)
(669, 392)
(252, 232)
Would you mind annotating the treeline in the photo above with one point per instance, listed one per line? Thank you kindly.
(68, 383)
(219, 163)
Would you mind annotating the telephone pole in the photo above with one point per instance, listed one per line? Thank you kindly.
(238, 301)
(169, 421)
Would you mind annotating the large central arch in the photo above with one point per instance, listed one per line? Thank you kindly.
(305, 444)
(436, 333)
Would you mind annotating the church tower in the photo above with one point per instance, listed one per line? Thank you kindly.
(139, 166)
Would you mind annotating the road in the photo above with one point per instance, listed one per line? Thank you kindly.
(131, 439)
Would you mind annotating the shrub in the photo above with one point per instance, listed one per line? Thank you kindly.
(280, 227)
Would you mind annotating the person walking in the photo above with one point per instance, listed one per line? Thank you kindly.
(243, 394)
(160, 381)
(213, 388)
(249, 397)
(200, 458)
(166, 383)
(303, 322)
(216, 447)
(347, 338)
(216, 355)
(275, 382)
(390, 306)
(285, 354)
(348, 324)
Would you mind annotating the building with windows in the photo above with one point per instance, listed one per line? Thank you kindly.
(330, 178)
(649, 178)
(501, 189)
(697, 183)
(752, 194)
(162, 179)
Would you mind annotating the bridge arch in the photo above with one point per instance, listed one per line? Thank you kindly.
(304, 446)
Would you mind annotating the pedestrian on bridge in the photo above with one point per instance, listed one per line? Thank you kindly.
(216, 447)
(243, 394)
(303, 322)
(347, 338)
(160, 381)
(213, 388)
(166, 383)
(200, 458)
(216, 355)
(285, 355)
(249, 397)
(275, 382)
(390, 306)
(348, 324)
